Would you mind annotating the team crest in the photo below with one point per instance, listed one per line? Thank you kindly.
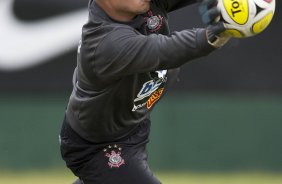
(154, 22)
(114, 155)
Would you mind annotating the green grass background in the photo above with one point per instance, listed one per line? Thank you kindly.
(212, 139)
(59, 176)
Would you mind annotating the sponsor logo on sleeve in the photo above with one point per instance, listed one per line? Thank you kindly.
(150, 92)
(155, 97)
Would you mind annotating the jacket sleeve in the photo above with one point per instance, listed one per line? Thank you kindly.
(125, 52)
(171, 5)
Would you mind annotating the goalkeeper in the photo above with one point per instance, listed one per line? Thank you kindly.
(126, 59)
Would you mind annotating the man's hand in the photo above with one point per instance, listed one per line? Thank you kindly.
(209, 11)
(215, 28)
(216, 36)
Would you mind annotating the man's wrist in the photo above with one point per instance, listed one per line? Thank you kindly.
(218, 41)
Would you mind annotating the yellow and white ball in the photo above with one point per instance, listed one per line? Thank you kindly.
(245, 18)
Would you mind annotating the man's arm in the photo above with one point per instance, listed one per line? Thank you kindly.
(171, 5)
(125, 52)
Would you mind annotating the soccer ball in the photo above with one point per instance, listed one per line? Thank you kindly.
(245, 18)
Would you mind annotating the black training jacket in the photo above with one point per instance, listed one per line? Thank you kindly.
(123, 69)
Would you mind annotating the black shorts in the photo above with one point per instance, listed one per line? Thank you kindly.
(120, 162)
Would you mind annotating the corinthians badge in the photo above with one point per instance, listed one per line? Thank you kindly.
(114, 155)
(154, 22)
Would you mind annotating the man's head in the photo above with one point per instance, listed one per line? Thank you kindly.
(124, 10)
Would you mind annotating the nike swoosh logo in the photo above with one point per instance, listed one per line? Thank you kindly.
(26, 44)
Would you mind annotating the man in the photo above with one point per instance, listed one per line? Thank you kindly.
(126, 59)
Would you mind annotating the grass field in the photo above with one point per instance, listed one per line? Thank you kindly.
(64, 177)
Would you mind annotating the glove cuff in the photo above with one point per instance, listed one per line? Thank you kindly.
(219, 41)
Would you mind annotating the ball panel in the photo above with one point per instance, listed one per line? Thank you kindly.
(234, 33)
(237, 10)
(262, 23)
(264, 3)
